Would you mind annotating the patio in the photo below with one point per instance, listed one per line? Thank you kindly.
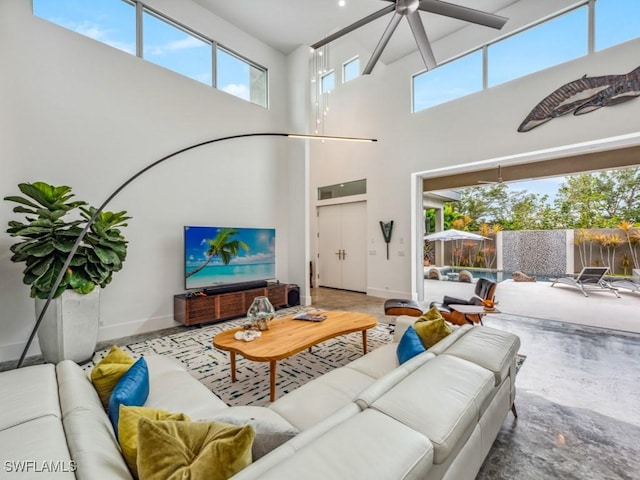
(561, 302)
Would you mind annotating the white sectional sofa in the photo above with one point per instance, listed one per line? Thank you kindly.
(433, 417)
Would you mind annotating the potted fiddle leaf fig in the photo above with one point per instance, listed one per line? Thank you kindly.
(52, 224)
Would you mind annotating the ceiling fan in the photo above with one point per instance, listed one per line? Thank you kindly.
(410, 9)
(494, 182)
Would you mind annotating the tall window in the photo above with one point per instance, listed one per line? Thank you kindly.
(109, 21)
(447, 82)
(551, 43)
(163, 42)
(617, 21)
(174, 48)
(328, 82)
(351, 69)
(241, 78)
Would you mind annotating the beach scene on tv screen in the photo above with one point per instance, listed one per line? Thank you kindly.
(219, 255)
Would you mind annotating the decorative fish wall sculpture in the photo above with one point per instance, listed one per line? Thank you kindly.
(583, 96)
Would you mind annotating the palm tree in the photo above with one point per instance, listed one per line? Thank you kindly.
(633, 238)
(222, 247)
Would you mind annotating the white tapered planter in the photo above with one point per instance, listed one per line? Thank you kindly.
(69, 329)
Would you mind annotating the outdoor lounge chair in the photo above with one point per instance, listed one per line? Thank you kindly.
(485, 289)
(589, 277)
(633, 284)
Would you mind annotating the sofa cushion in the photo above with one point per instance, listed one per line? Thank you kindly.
(374, 391)
(40, 440)
(28, 393)
(132, 389)
(446, 342)
(378, 362)
(173, 450)
(167, 376)
(369, 445)
(108, 371)
(271, 429)
(488, 347)
(409, 346)
(89, 432)
(441, 399)
(257, 469)
(431, 331)
(321, 397)
(128, 429)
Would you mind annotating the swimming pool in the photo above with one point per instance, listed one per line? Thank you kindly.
(493, 275)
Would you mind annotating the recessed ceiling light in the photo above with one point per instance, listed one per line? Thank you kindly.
(342, 3)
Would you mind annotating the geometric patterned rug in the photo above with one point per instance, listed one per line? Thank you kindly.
(193, 348)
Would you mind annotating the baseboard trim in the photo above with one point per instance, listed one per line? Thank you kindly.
(12, 352)
(137, 327)
(384, 293)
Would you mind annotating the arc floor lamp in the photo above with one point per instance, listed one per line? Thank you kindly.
(67, 262)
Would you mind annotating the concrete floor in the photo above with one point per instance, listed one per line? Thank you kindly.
(577, 399)
(561, 302)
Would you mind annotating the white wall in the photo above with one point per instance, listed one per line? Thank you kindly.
(74, 111)
(475, 128)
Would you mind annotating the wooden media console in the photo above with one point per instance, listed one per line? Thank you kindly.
(194, 310)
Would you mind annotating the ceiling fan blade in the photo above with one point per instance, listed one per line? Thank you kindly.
(363, 21)
(463, 13)
(386, 36)
(417, 28)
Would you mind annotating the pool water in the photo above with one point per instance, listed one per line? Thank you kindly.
(494, 275)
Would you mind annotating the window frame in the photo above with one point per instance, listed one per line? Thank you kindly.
(179, 26)
(344, 69)
(142, 8)
(591, 6)
(251, 63)
(325, 75)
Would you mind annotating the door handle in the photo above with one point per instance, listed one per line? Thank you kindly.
(344, 254)
(339, 253)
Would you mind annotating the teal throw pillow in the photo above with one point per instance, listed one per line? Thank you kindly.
(409, 346)
(131, 390)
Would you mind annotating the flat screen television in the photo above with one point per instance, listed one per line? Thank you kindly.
(226, 255)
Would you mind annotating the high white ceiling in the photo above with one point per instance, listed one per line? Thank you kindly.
(287, 24)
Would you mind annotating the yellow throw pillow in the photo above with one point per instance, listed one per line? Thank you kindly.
(107, 372)
(169, 450)
(128, 429)
(432, 314)
(431, 331)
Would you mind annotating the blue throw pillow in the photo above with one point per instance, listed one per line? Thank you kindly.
(131, 390)
(409, 346)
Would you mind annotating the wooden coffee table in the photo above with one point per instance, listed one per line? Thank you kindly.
(287, 336)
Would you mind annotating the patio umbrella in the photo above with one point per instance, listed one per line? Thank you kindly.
(453, 234)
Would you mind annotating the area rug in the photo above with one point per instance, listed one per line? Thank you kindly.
(194, 349)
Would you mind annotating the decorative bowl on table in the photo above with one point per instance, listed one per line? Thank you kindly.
(489, 305)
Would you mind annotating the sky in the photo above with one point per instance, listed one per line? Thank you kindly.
(113, 22)
(559, 40)
(551, 43)
(545, 186)
(261, 243)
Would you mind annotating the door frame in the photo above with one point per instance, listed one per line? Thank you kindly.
(337, 201)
